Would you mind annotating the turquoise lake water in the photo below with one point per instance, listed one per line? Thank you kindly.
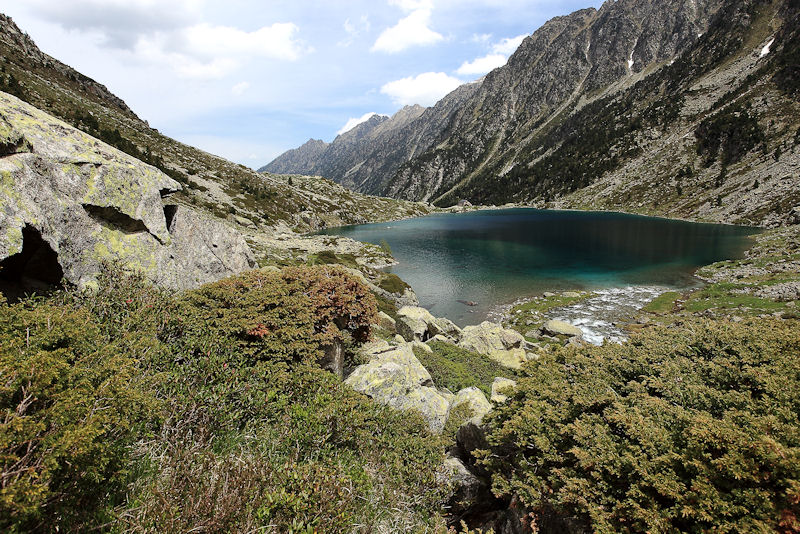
(496, 257)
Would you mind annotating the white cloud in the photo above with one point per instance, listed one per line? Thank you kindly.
(509, 45)
(204, 51)
(412, 30)
(120, 23)
(240, 88)
(412, 5)
(482, 65)
(173, 37)
(352, 123)
(500, 53)
(353, 30)
(425, 89)
(277, 41)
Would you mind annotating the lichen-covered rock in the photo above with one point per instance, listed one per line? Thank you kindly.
(500, 389)
(418, 324)
(440, 339)
(505, 346)
(385, 382)
(512, 358)
(560, 328)
(381, 352)
(444, 327)
(86, 202)
(412, 323)
(474, 399)
(462, 488)
(394, 376)
(487, 337)
(11, 140)
(430, 403)
(203, 250)
(385, 322)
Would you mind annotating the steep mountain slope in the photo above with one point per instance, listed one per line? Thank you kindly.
(628, 99)
(301, 160)
(710, 135)
(568, 56)
(344, 157)
(230, 191)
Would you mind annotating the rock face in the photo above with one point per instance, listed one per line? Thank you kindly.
(69, 202)
(567, 56)
(418, 324)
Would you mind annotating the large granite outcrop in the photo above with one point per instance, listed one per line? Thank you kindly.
(69, 202)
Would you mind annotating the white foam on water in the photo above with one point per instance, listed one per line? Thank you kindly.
(598, 317)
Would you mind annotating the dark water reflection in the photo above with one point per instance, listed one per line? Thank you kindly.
(495, 257)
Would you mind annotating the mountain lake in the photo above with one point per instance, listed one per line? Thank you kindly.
(469, 266)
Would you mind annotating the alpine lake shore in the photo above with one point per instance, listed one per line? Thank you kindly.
(456, 378)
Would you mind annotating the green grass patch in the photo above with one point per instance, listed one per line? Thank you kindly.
(455, 368)
(723, 296)
(386, 306)
(664, 303)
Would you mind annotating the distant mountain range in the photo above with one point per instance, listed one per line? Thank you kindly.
(685, 108)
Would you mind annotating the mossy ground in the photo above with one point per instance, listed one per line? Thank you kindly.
(456, 368)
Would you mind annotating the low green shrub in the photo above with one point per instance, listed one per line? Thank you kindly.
(73, 400)
(392, 283)
(329, 257)
(132, 410)
(286, 315)
(680, 430)
(455, 368)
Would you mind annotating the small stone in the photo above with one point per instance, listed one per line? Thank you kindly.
(571, 294)
(548, 295)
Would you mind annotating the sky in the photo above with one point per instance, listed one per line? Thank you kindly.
(250, 79)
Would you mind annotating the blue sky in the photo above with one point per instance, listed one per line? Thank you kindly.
(249, 79)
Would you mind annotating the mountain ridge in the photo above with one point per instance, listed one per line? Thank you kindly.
(256, 203)
(518, 137)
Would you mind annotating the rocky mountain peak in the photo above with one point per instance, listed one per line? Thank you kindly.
(570, 57)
